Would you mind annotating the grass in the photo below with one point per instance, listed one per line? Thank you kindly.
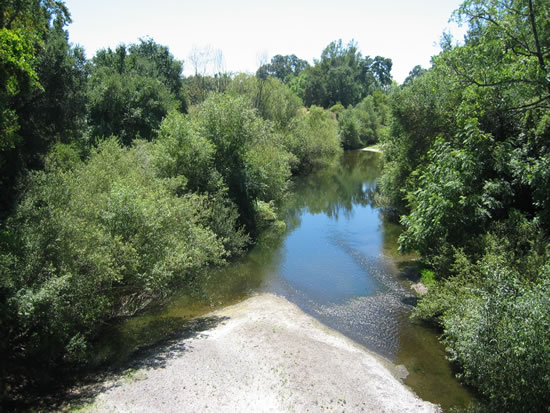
(427, 277)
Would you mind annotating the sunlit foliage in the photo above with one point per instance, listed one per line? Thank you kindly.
(467, 162)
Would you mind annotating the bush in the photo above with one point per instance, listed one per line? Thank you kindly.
(180, 151)
(313, 139)
(496, 325)
(100, 241)
(366, 123)
(273, 99)
(371, 121)
(427, 277)
(185, 158)
(350, 129)
(248, 154)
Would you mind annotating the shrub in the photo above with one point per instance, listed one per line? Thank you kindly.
(248, 154)
(497, 326)
(100, 241)
(313, 139)
(181, 151)
(350, 129)
(273, 99)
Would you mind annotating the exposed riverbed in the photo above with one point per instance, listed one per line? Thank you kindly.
(337, 262)
(261, 355)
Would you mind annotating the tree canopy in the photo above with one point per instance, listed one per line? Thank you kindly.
(116, 192)
(341, 75)
(284, 68)
(467, 162)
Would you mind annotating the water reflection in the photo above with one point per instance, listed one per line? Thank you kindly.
(338, 189)
(337, 261)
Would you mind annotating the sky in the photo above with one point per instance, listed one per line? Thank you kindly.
(250, 32)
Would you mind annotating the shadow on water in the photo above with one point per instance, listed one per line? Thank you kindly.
(336, 260)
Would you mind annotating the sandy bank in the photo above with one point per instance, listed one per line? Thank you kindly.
(262, 355)
(371, 150)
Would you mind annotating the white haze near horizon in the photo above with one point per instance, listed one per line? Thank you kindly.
(249, 32)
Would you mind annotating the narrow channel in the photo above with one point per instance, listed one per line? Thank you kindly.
(337, 261)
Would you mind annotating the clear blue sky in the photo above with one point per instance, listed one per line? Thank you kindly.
(407, 31)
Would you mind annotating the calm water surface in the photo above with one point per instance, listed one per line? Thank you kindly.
(337, 261)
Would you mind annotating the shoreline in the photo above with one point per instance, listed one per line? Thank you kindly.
(371, 149)
(262, 354)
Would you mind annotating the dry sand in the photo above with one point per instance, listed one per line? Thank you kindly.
(261, 355)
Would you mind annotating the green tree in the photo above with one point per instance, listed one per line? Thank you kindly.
(251, 169)
(418, 117)
(97, 241)
(23, 26)
(452, 205)
(17, 74)
(364, 124)
(514, 33)
(40, 75)
(313, 139)
(467, 167)
(56, 112)
(132, 89)
(343, 75)
(154, 60)
(129, 106)
(500, 110)
(198, 86)
(274, 100)
(181, 151)
(415, 73)
(381, 70)
(350, 129)
(284, 68)
(494, 311)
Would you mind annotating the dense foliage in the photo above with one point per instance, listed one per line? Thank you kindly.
(313, 138)
(248, 153)
(123, 182)
(40, 87)
(274, 101)
(101, 240)
(342, 75)
(467, 170)
(365, 124)
(132, 89)
(284, 68)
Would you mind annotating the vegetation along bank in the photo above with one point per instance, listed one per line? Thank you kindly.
(123, 181)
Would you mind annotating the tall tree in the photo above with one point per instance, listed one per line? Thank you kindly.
(469, 158)
(415, 73)
(343, 75)
(515, 35)
(284, 68)
(27, 29)
(131, 90)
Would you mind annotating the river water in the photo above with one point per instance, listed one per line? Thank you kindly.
(337, 261)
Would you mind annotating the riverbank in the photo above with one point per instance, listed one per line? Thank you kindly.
(263, 354)
(372, 149)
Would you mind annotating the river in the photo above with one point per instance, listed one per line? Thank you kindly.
(337, 261)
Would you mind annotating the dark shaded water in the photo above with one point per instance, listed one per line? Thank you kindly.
(336, 260)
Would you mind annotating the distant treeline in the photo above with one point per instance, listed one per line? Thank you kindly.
(122, 180)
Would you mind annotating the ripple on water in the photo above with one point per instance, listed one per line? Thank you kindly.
(374, 320)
